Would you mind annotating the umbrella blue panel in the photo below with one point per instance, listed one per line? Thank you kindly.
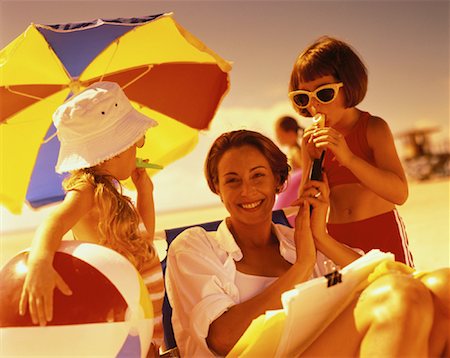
(45, 184)
(77, 44)
(76, 50)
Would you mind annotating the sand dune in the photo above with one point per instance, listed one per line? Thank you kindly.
(426, 215)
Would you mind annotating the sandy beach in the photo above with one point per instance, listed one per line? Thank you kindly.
(426, 216)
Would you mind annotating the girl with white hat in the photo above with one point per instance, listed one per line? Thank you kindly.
(99, 131)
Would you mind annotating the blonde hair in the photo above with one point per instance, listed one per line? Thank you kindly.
(118, 223)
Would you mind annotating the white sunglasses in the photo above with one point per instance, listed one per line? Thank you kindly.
(324, 94)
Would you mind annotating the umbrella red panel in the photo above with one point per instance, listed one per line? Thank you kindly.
(167, 88)
(11, 103)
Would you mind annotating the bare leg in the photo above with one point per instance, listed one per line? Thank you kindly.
(438, 282)
(391, 311)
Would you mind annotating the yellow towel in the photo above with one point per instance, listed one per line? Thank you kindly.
(261, 337)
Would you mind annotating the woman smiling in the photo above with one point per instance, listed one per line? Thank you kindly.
(219, 282)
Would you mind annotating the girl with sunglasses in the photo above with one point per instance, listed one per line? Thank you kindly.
(361, 163)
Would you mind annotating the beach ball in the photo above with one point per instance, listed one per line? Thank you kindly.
(109, 313)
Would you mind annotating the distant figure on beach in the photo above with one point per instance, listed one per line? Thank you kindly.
(289, 133)
(99, 131)
(219, 282)
(365, 174)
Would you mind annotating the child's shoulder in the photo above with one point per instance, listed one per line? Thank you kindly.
(377, 129)
(81, 191)
(83, 187)
(78, 201)
(374, 121)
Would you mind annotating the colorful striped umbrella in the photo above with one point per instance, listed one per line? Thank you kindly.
(168, 74)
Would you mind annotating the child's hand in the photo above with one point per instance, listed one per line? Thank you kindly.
(308, 144)
(144, 200)
(37, 292)
(329, 138)
(316, 194)
(141, 180)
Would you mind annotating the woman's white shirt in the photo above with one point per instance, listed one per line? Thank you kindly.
(201, 281)
(250, 285)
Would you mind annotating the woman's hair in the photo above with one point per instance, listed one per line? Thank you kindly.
(236, 139)
(331, 57)
(288, 124)
(118, 221)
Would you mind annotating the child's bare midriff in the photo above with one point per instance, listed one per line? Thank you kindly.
(353, 202)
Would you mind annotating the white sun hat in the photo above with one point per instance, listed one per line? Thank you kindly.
(96, 125)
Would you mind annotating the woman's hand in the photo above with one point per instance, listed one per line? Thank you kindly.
(317, 195)
(329, 138)
(304, 241)
(37, 292)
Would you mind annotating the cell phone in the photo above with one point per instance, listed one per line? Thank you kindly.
(316, 170)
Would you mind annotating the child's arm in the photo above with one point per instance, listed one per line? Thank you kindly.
(41, 279)
(394, 186)
(387, 179)
(144, 201)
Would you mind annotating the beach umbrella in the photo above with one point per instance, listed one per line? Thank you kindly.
(165, 71)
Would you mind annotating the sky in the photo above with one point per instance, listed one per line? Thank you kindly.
(404, 44)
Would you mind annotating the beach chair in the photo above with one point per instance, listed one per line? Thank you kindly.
(278, 217)
(422, 159)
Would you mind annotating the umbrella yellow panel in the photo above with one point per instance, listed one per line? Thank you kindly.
(20, 140)
(30, 60)
(224, 65)
(168, 141)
